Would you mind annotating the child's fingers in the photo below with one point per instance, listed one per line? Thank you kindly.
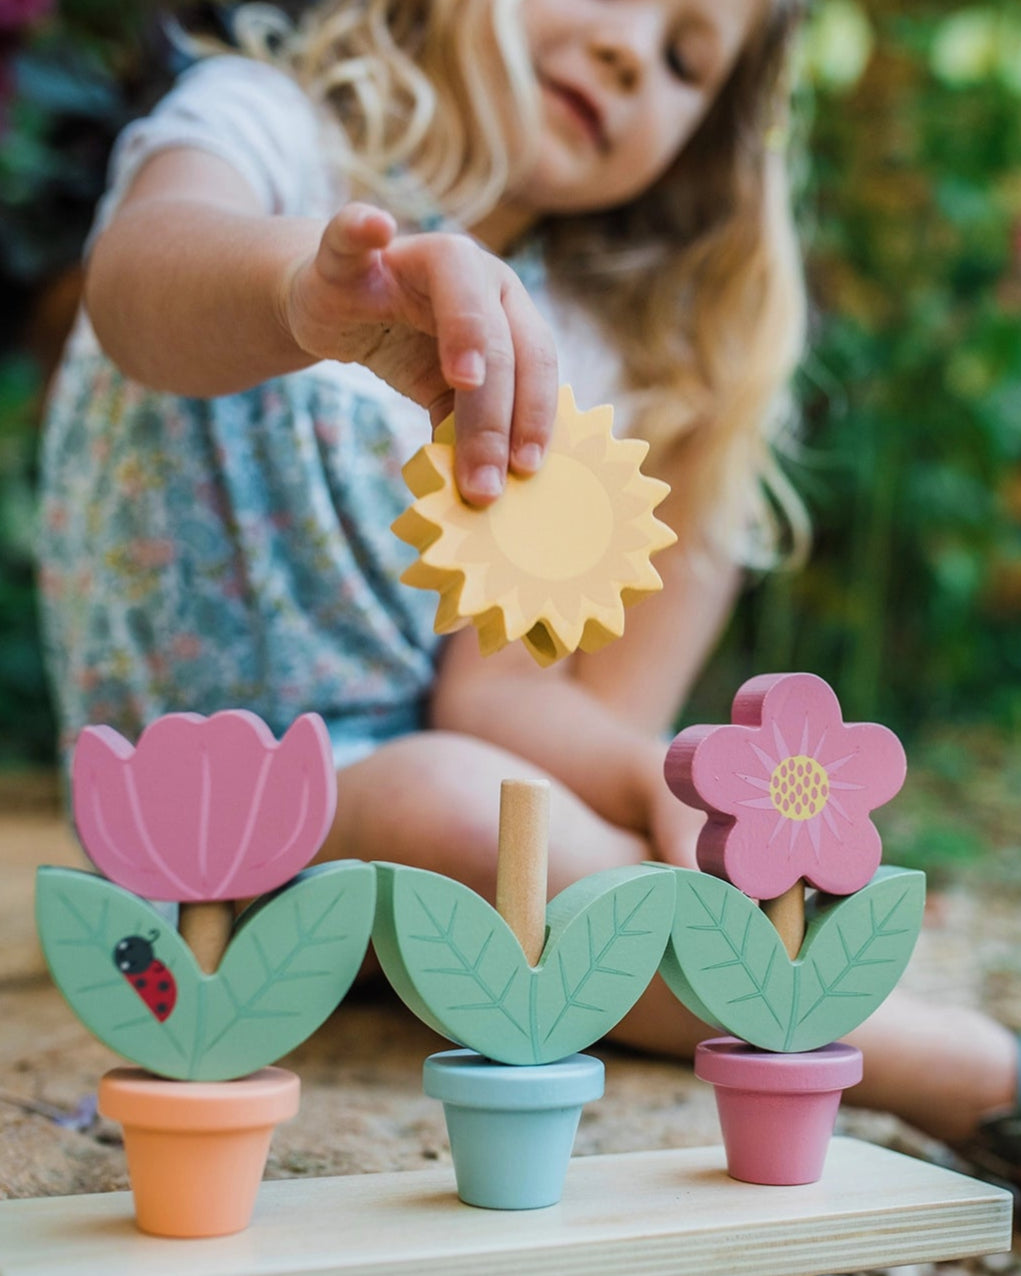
(463, 296)
(486, 324)
(477, 357)
(509, 419)
(356, 230)
(535, 379)
(483, 420)
(494, 350)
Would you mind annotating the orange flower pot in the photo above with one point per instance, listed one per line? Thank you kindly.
(196, 1150)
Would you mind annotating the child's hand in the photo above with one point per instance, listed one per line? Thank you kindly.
(444, 322)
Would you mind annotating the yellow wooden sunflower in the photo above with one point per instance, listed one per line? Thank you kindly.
(556, 559)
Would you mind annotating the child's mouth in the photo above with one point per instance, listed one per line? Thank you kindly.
(581, 110)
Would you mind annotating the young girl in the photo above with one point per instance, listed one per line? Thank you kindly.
(263, 346)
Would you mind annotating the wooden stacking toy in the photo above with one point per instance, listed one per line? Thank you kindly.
(202, 812)
(557, 558)
(204, 808)
(525, 988)
(788, 788)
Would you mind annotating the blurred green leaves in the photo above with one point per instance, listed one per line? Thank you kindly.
(27, 729)
(74, 74)
(976, 44)
(911, 392)
(837, 45)
(77, 79)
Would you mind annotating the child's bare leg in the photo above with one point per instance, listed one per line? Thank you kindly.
(432, 800)
(941, 1068)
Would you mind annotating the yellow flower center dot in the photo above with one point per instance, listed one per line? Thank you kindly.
(560, 522)
(799, 787)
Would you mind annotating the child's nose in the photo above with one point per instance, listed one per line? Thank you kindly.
(624, 68)
(625, 48)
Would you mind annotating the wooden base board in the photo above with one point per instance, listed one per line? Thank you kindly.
(673, 1212)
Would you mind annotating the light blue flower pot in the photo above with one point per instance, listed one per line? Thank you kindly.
(511, 1128)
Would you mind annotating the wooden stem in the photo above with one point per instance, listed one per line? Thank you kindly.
(522, 863)
(206, 928)
(787, 913)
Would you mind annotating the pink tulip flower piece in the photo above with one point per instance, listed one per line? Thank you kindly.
(204, 808)
(788, 788)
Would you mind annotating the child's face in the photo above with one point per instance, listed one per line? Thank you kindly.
(624, 84)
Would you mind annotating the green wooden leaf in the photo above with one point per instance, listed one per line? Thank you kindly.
(451, 958)
(855, 950)
(81, 918)
(292, 959)
(606, 937)
(287, 968)
(726, 963)
(458, 966)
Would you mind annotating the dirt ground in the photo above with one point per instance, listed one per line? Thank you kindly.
(362, 1108)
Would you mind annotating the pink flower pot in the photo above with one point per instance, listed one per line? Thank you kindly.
(777, 1111)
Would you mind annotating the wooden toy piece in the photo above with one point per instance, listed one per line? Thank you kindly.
(523, 862)
(204, 811)
(206, 929)
(672, 1212)
(777, 1111)
(788, 788)
(135, 984)
(727, 964)
(787, 915)
(511, 1129)
(196, 1153)
(557, 558)
(457, 964)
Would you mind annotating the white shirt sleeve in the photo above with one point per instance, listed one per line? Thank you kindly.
(587, 360)
(245, 112)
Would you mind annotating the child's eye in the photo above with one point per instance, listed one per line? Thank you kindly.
(680, 66)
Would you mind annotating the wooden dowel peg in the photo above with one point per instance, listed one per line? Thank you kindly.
(522, 863)
(787, 913)
(206, 928)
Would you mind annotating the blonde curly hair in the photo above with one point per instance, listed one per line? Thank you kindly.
(697, 282)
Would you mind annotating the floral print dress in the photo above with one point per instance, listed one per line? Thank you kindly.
(199, 554)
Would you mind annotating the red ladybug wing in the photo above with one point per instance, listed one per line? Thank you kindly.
(157, 988)
(162, 991)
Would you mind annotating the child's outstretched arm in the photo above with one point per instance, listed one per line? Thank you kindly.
(194, 289)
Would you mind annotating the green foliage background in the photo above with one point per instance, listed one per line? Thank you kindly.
(911, 393)
(909, 122)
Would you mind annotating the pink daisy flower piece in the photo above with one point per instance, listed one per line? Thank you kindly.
(788, 788)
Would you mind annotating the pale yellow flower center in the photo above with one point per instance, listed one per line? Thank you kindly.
(799, 787)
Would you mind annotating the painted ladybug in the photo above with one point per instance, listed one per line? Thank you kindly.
(135, 959)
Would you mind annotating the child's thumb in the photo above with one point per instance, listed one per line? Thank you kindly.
(355, 230)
